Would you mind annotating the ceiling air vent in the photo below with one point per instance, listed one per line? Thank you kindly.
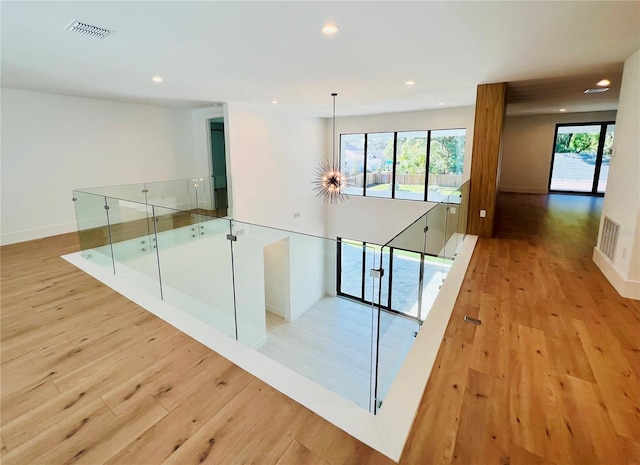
(88, 29)
(596, 90)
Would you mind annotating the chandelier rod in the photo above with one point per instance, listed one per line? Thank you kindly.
(333, 157)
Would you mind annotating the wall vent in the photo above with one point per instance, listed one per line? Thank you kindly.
(88, 29)
(609, 237)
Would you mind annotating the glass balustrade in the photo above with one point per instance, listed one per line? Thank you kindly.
(342, 313)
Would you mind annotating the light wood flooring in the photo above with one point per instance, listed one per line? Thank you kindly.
(552, 376)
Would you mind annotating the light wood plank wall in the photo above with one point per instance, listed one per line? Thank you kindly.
(485, 162)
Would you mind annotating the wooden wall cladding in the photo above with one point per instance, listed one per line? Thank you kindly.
(485, 162)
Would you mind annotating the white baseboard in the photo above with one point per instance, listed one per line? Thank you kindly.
(625, 287)
(524, 189)
(36, 233)
(275, 310)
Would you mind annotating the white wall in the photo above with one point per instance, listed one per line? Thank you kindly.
(622, 198)
(378, 220)
(528, 145)
(52, 144)
(272, 155)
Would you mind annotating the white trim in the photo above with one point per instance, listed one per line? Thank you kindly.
(524, 189)
(386, 432)
(275, 310)
(625, 287)
(37, 233)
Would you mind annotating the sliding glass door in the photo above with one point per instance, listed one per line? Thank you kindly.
(581, 156)
(400, 286)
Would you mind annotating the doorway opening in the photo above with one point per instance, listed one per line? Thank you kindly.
(219, 166)
(581, 156)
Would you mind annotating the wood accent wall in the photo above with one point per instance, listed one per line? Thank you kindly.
(485, 162)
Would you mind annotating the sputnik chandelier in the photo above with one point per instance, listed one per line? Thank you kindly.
(329, 181)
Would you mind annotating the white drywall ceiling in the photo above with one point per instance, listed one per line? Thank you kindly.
(256, 52)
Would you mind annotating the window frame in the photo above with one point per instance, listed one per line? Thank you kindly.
(395, 155)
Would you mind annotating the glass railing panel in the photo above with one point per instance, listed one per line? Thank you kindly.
(93, 228)
(394, 329)
(373, 254)
(287, 308)
(176, 194)
(405, 272)
(464, 208)
(133, 243)
(194, 256)
(205, 194)
(412, 237)
(452, 238)
(396, 335)
(435, 263)
(132, 192)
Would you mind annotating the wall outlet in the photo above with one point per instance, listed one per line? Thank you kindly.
(483, 213)
(453, 210)
(296, 215)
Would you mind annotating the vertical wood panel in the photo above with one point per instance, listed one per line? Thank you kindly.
(487, 138)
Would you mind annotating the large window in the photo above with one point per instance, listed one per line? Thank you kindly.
(411, 165)
(581, 157)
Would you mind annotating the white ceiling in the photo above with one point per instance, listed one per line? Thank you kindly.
(256, 52)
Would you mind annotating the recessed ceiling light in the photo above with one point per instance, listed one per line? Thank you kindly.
(604, 83)
(440, 104)
(409, 83)
(596, 90)
(274, 101)
(562, 110)
(330, 28)
(156, 78)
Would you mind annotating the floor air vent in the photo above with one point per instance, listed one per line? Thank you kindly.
(88, 29)
(609, 237)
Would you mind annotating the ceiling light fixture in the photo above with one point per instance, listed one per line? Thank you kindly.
(330, 28)
(440, 104)
(562, 110)
(274, 102)
(604, 83)
(157, 79)
(409, 83)
(330, 184)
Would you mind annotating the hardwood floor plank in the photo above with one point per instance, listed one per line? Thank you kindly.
(164, 438)
(56, 445)
(230, 428)
(486, 400)
(297, 454)
(23, 401)
(491, 338)
(520, 456)
(593, 437)
(158, 379)
(337, 447)
(620, 391)
(442, 401)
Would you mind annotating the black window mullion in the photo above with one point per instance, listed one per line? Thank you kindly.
(553, 156)
(599, 156)
(426, 171)
(366, 155)
(393, 170)
(339, 270)
(390, 280)
(364, 267)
